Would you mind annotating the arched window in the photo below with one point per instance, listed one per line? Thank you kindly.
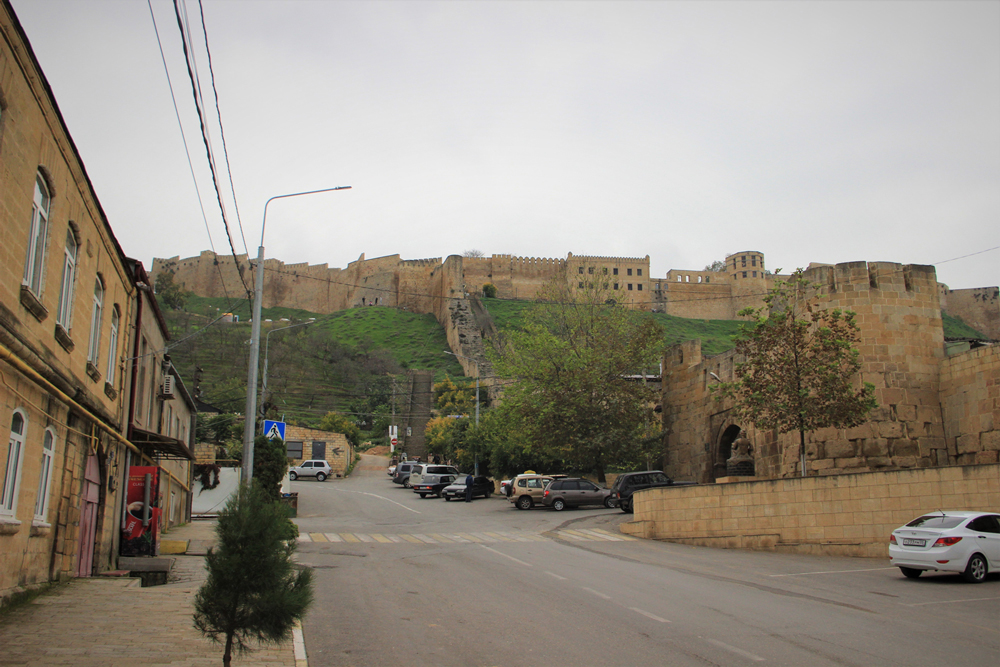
(45, 477)
(109, 377)
(35, 262)
(65, 314)
(12, 477)
(94, 352)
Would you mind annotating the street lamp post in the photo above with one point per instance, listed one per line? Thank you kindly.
(250, 416)
(267, 343)
(476, 452)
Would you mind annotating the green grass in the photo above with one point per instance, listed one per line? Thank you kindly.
(716, 335)
(954, 327)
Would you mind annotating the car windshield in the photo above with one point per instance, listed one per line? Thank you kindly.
(440, 470)
(459, 482)
(936, 521)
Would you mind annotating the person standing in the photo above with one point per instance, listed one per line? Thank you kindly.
(469, 481)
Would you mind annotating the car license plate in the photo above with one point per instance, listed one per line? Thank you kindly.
(913, 543)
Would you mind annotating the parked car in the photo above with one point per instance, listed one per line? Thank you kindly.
(391, 470)
(947, 541)
(481, 486)
(429, 479)
(630, 482)
(529, 489)
(402, 475)
(314, 468)
(504, 483)
(573, 492)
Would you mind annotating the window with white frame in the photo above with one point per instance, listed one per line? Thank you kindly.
(94, 352)
(65, 313)
(109, 376)
(45, 476)
(35, 262)
(15, 450)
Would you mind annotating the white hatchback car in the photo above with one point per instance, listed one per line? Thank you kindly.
(317, 468)
(963, 542)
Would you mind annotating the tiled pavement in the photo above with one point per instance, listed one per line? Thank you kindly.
(578, 535)
(102, 622)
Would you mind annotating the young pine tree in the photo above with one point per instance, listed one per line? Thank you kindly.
(253, 594)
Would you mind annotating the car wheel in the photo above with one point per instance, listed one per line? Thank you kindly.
(447, 499)
(488, 493)
(910, 573)
(975, 571)
(406, 484)
(626, 506)
(525, 503)
(321, 476)
(559, 504)
(292, 476)
(423, 495)
(609, 502)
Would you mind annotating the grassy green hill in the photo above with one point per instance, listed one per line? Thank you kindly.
(344, 359)
(716, 335)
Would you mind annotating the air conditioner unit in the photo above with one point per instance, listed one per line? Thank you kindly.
(168, 386)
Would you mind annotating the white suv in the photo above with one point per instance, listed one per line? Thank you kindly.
(317, 468)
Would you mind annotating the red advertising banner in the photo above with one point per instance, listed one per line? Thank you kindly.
(139, 539)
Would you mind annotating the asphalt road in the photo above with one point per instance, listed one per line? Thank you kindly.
(406, 581)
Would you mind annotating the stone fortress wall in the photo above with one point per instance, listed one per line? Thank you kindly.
(425, 285)
(933, 410)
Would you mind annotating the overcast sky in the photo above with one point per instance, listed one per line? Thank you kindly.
(811, 131)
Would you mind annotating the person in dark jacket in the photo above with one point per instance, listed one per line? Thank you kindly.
(469, 482)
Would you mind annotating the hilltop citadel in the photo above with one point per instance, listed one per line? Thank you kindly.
(426, 285)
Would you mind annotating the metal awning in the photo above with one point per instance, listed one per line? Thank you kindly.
(154, 444)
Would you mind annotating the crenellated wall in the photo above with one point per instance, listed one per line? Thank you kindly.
(918, 390)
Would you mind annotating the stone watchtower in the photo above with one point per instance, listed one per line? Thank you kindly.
(748, 280)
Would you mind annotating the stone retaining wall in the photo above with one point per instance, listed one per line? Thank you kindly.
(843, 515)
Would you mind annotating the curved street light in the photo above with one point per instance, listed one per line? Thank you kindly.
(250, 416)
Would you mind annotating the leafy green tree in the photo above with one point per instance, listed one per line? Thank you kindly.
(253, 594)
(490, 291)
(504, 447)
(718, 266)
(169, 293)
(338, 423)
(270, 463)
(801, 366)
(570, 375)
(454, 399)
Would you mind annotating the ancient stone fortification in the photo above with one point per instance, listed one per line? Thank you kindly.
(933, 410)
(429, 285)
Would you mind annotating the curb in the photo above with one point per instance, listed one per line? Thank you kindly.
(299, 646)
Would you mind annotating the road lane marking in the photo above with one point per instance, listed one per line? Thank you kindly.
(806, 574)
(375, 495)
(737, 651)
(921, 604)
(499, 537)
(553, 574)
(500, 553)
(464, 538)
(597, 593)
(624, 538)
(609, 538)
(648, 615)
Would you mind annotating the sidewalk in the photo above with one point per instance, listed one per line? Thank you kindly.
(103, 621)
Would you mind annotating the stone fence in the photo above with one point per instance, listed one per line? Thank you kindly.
(842, 515)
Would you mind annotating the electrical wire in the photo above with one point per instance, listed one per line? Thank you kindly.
(196, 94)
(222, 130)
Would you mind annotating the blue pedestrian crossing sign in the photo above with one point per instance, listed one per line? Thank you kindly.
(274, 430)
